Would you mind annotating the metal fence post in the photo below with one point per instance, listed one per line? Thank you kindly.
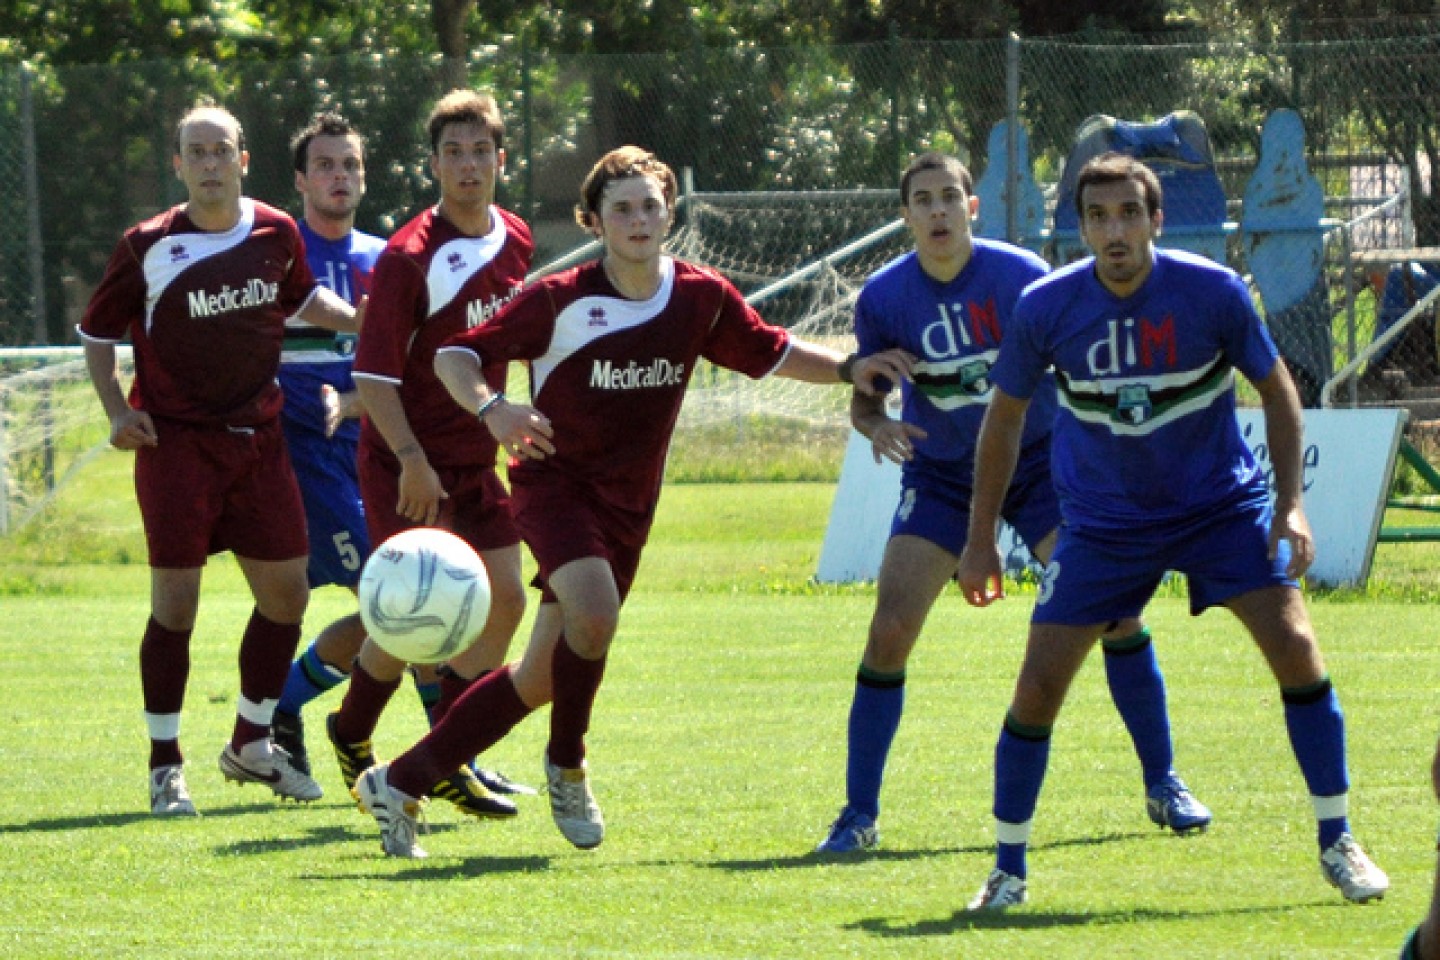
(527, 120)
(896, 80)
(1012, 138)
(32, 206)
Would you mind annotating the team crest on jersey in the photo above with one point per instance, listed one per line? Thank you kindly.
(178, 253)
(597, 317)
(975, 377)
(1133, 405)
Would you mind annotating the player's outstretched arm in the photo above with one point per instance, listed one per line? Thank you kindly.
(981, 574)
(1284, 432)
(814, 363)
(327, 310)
(520, 429)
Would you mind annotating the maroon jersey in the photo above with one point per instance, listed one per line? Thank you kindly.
(610, 373)
(205, 311)
(431, 283)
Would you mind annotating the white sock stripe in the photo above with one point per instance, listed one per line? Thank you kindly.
(1330, 808)
(1013, 832)
(163, 726)
(261, 714)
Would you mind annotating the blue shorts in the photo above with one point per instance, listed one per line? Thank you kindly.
(1103, 576)
(334, 513)
(936, 507)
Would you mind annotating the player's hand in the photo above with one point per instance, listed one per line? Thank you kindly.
(360, 306)
(883, 371)
(1289, 524)
(420, 491)
(339, 407)
(980, 574)
(132, 430)
(894, 440)
(523, 432)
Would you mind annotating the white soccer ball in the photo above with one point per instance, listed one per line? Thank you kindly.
(424, 595)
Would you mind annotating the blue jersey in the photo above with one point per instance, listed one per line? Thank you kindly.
(313, 356)
(1146, 432)
(955, 329)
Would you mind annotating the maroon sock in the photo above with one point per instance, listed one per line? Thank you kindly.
(266, 650)
(575, 681)
(479, 719)
(164, 670)
(365, 700)
(452, 688)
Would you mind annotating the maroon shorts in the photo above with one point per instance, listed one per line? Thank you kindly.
(206, 489)
(477, 509)
(562, 521)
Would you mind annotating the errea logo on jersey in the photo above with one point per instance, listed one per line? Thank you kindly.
(178, 253)
(255, 293)
(659, 372)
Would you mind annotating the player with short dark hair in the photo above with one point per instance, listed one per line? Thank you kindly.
(329, 159)
(423, 461)
(610, 346)
(948, 301)
(204, 290)
(1153, 476)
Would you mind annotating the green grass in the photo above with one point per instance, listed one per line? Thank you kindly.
(718, 752)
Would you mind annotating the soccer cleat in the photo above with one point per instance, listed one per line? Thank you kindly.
(1001, 890)
(397, 814)
(288, 731)
(263, 763)
(497, 782)
(471, 797)
(1171, 804)
(851, 832)
(169, 796)
(573, 805)
(1348, 868)
(354, 758)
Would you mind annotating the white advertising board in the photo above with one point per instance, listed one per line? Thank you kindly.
(1348, 461)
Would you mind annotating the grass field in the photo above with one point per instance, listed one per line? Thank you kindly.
(718, 754)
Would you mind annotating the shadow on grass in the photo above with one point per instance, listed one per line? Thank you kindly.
(814, 858)
(1031, 919)
(446, 869)
(111, 820)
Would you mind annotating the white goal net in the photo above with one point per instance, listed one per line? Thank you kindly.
(51, 424)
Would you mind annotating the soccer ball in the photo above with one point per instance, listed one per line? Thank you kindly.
(424, 595)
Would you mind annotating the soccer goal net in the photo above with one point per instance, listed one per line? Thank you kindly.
(50, 425)
(800, 259)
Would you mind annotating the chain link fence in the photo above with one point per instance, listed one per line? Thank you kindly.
(753, 120)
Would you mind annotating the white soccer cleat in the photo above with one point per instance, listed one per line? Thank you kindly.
(1349, 869)
(397, 813)
(573, 805)
(169, 796)
(1001, 891)
(262, 762)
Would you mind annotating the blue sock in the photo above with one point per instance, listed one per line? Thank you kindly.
(1138, 689)
(874, 718)
(1020, 760)
(1316, 725)
(429, 694)
(308, 678)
